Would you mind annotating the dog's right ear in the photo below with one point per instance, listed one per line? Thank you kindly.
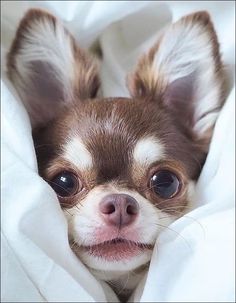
(48, 69)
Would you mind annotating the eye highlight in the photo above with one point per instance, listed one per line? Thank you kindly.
(165, 184)
(66, 184)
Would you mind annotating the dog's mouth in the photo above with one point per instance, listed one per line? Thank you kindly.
(117, 249)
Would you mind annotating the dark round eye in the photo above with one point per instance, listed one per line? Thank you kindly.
(165, 184)
(65, 184)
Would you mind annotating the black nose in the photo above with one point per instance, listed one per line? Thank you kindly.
(119, 209)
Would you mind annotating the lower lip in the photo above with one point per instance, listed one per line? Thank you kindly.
(117, 250)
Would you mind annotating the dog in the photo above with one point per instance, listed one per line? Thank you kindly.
(123, 169)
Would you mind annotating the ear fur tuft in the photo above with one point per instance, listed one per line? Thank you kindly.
(184, 73)
(47, 68)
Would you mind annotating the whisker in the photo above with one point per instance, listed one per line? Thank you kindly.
(162, 202)
(68, 212)
(124, 286)
(172, 230)
(191, 218)
(73, 244)
(47, 180)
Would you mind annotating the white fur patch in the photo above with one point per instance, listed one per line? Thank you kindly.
(84, 221)
(76, 152)
(148, 150)
(46, 43)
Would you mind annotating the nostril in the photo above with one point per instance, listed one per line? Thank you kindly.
(107, 208)
(132, 209)
(110, 208)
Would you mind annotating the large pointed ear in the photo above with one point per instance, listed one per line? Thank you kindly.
(47, 68)
(183, 73)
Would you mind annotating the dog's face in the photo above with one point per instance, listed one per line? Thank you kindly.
(122, 172)
(123, 169)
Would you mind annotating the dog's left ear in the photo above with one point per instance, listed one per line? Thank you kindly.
(182, 72)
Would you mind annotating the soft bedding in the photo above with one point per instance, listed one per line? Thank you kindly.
(193, 260)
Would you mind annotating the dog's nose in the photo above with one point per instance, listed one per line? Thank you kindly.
(119, 209)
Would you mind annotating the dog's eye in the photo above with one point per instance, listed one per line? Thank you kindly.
(66, 184)
(165, 184)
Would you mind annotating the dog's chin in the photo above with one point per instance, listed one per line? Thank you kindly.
(117, 255)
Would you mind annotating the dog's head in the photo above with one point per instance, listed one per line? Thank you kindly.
(122, 168)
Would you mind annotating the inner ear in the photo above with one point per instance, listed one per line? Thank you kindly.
(178, 98)
(46, 88)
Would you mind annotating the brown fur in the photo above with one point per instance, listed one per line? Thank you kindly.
(43, 84)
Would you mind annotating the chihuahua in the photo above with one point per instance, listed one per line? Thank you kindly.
(122, 168)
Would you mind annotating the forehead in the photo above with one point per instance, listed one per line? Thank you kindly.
(110, 117)
(110, 136)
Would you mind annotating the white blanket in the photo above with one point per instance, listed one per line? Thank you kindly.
(194, 260)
